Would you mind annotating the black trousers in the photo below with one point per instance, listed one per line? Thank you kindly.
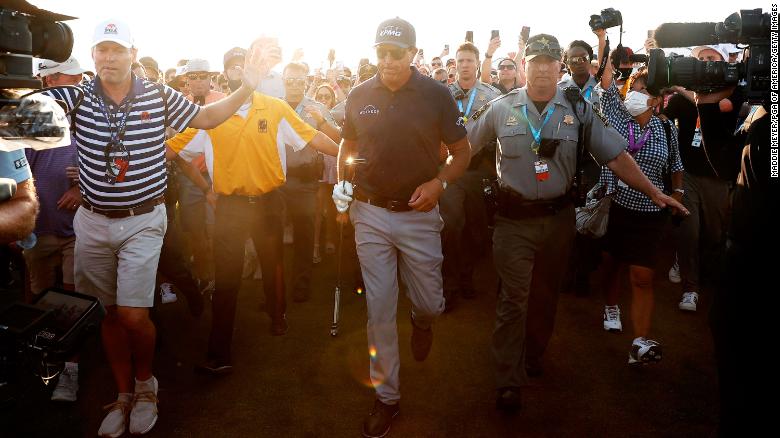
(237, 218)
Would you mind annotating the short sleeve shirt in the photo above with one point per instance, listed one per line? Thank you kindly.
(245, 155)
(656, 158)
(505, 119)
(399, 133)
(144, 112)
(14, 165)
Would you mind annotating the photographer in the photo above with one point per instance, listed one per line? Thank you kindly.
(710, 168)
(739, 327)
(636, 222)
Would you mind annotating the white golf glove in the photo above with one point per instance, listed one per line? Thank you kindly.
(342, 195)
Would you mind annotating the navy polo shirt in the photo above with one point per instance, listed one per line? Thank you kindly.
(399, 133)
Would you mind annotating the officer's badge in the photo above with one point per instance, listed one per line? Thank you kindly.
(511, 121)
(482, 98)
(262, 126)
(568, 119)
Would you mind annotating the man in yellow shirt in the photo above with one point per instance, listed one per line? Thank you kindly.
(245, 157)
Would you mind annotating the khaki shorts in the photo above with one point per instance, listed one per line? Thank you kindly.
(116, 259)
(49, 254)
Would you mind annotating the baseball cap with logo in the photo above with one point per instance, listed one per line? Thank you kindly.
(235, 52)
(397, 32)
(542, 44)
(115, 31)
(70, 67)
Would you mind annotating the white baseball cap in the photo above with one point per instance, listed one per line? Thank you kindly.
(115, 31)
(696, 50)
(70, 67)
(194, 65)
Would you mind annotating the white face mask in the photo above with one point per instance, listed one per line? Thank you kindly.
(636, 103)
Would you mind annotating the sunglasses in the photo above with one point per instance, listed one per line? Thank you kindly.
(323, 97)
(295, 81)
(578, 60)
(201, 76)
(436, 64)
(396, 54)
(506, 67)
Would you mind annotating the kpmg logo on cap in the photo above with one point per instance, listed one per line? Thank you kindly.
(391, 31)
(110, 29)
(369, 110)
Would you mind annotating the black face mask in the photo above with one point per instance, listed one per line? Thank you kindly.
(234, 84)
(625, 73)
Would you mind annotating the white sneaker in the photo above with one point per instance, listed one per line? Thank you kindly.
(674, 272)
(644, 351)
(114, 424)
(689, 301)
(143, 417)
(167, 295)
(67, 385)
(612, 319)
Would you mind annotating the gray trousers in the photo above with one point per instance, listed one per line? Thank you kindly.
(530, 257)
(389, 244)
(707, 199)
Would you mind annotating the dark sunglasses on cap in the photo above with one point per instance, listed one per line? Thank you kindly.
(295, 81)
(396, 54)
(577, 60)
(201, 76)
(506, 67)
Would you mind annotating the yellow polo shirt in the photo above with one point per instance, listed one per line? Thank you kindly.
(245, 155)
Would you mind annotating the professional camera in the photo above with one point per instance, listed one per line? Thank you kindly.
(27, 32)
(748, 27)
(609, 18)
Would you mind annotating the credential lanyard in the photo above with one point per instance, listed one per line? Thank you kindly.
(473, 94)
(633, 145)
(537, 133)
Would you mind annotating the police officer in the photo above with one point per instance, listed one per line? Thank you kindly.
(397, 121)
(461, 205)
(537, 130)
(304, 169)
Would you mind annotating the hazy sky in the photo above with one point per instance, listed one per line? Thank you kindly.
(171, 30)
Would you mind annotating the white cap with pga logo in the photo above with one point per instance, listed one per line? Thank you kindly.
(115, 31)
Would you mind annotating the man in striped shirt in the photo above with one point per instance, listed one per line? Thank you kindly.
(120, 133)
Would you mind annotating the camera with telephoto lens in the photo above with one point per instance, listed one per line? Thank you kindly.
(749, 28)
(26, 32)
(608, 18)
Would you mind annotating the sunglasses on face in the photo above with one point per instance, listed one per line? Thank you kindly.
(201, 76)
(396, 54)
(506, 67)
(295, 81)
(578, 60)
(323, 97)
(436, 64)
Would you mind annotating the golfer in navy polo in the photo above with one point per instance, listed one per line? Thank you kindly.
(397, 122)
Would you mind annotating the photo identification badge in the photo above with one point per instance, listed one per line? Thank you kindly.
(542, 170)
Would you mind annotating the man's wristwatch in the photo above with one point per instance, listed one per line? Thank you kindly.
(443, 183)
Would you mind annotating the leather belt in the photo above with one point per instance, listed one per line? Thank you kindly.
(386, 203)
(513, 206)
(144, 208)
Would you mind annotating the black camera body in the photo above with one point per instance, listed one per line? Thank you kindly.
(26, 31)
(608, 18)
(749, 27)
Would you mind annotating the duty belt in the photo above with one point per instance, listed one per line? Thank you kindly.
(512, 206)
